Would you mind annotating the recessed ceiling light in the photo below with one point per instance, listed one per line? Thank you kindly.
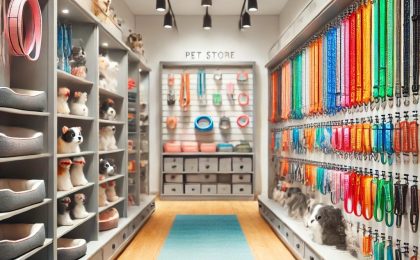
(105, 44)
(65, 11)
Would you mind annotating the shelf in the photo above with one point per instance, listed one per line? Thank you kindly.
(63, 230)
(111, 152)
(233, 154)
(111, 204)
(62, 194)
(110, 94)
(64, 78)
(65, 155)
(207, 197)
(197, 173)
(28, 255)
(6, 215)
(83, 118)
(115, 177)
(23, 112)
(111, 122)
(297, 227)
(24, 157)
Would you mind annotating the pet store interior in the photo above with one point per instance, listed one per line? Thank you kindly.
(209, 129)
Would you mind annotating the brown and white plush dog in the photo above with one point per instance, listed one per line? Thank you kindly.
(63, 210)
(70, 140)
(79, 210)
(101, 8)
(63, 172)
(107, 141)
(78, 104)
(62, 98)
(111, 194)
(76, 172)
(135, 41)
(107, 110)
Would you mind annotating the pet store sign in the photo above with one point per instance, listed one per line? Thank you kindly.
(210, 55)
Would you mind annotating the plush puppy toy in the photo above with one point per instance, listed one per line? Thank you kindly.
(78, 104)
(76, 172)
(328, 226)
(101, 9)
(63, 97)
(79, 210)
(297, 205)
(63, 216)
(111, 194)
(102, 195)
(107, 141)
(70, 140)
(107, 110)
(63, 178)
(106, 168)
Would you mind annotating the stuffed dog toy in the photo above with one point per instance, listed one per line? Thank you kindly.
(101, 9)
(108, 73)
(106, 167)
(70, 140)
(78, 104)
(78, 62)
(107, 110)
(111, 194)
(135, 41)
(63, 97)
(63, 216)
(107, 141)
(102, 195)
(76, 172)
(63, 178)
(79, 210)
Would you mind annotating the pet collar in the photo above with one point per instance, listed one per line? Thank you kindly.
(224, 123)
(242, 76)
(131, 83)
(218, 76)
(184, 92)
(171, 99)
(171, 122)
(230, 90)
(243, 99)
(243, 121)
(171, 80)
(204, 123)
(217, 99)
(201, 86)
(23, 40)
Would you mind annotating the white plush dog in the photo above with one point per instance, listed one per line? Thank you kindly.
(78, 104)
(70, 140)
(108, 73)
(63, 178)
(62, 98)
(107, 110)
(76, 172)
(107, 141)
(79, 210)
(63, 216)
(111, 194)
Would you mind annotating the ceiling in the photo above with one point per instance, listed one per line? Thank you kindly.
(193, 7)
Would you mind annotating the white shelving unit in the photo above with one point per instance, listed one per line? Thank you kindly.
(42, 75)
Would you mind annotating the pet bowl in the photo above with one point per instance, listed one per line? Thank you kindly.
(172, 147)
(16, 141)
(22, 99)
(16, 194)
(18, 239)
(225, 148)
(208, 147)
(189, 147)
(71, 249)
(108, 219)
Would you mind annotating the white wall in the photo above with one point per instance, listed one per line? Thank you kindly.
(169, 45)
(124, 11)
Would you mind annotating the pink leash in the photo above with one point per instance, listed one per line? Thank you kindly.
(24, 34)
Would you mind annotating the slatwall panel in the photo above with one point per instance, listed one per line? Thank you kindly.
(185, 130)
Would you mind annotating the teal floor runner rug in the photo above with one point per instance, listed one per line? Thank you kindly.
(205, 237)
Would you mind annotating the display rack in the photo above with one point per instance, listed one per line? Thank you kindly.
(292, 232)
(42, 75)
(221, 175)
(144, 132)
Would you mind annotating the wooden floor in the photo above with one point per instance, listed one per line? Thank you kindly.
(263, 242)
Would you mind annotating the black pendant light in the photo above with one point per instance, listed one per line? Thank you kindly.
(167, 22)
(206, 3)
(252, 5)
(246, 20)
(207, 20)
(160, 5)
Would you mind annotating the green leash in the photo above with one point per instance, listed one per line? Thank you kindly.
(382, 48)
(375, 50)
(390, 52)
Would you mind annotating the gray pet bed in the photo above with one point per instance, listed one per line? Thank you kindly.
(16, 194)
(23, 99)
(71, 249)
(16, 141)
(18, 239)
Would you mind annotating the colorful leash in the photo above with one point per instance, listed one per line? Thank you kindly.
(397, 138)
(416, 50)
(390, 51)
(414, 137)
(401, 190)
(367, 53)
(414, 209)
(406, 53)
(398, 52)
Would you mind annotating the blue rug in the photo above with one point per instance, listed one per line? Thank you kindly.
(205, 237)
